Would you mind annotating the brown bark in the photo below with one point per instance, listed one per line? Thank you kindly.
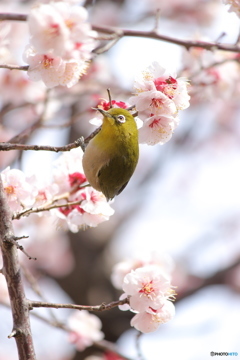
(11, 269)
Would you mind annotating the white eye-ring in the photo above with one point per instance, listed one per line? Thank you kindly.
(121, 118)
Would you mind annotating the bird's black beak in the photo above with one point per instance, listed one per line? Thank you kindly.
(104, 113)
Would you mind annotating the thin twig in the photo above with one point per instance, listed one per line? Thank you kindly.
(10, 146)
(91, 136)
(14, 67)
(102, 307)
(14, 333)
(109, 98)
(12, 16)
(29, 211)
(106, 47)
(13, 240)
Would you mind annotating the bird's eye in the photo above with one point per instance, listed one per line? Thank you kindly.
(121, 118)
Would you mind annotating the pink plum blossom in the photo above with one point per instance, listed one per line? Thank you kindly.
(159, 86)
(60, 45)
(157, 129)
(150, 320)
(84, 329)
(159, 96)
(92, 209)
(154, 102)
(45, 191)
(59, 28)
(146, 287)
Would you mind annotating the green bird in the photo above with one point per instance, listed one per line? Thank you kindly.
(111, 156)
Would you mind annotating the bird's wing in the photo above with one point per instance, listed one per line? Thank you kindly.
(113, 177)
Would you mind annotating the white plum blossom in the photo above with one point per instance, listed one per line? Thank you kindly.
(147, 287)
(85, 329)
(20, 192)
(150, 320)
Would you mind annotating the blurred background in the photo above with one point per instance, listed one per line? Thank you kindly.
(183, 200)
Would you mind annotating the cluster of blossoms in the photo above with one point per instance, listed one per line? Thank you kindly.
(148, 287)
(88, 207)
(158, 98)
(92, 207)
(60, 45)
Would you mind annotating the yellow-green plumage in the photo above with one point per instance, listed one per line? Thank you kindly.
(111, 156)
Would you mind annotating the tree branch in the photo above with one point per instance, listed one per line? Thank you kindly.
(45, 207)
(12, 16)
(11, 269)
(102, 345)
(102, 307)
(152, 34)
(11, 146)
(14, 67)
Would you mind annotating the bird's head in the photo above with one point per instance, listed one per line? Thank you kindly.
(117, 116)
